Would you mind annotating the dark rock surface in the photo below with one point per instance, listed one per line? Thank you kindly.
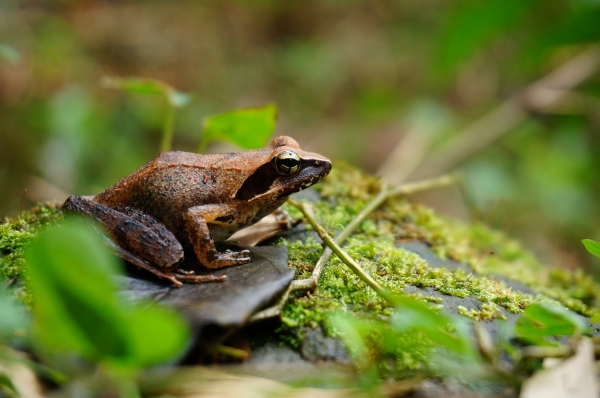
(216, 309)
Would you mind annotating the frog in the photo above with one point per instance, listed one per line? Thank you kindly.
(186, 202)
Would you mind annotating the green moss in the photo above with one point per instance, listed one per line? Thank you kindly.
(346, 191)
(15, 235)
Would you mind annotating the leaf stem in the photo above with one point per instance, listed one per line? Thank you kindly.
(168, 128)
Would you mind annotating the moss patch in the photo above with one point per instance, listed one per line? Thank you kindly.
(346, 191)
(15, 235)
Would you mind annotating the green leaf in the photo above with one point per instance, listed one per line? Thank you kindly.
(158, 334)
(13, 320)
(76, 308)
(595, 318)
(248, 128)
(10, 54)
(472, 25)
(440, 328)
(543, 320)
(137, 85)
(592, 246)
(350, 329)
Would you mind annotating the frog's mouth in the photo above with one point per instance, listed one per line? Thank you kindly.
(313, 171)
(266, 182)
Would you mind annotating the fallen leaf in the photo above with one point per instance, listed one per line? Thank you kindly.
(571, 377)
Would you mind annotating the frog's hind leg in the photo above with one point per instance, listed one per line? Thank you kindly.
(138, 238)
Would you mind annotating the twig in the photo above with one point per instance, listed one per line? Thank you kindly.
(546, 351)
(221, 349)
(540, 95)
(168, 128)
(349, 261)
(22, 199)
(312, 282)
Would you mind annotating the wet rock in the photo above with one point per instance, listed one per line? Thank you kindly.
(316, 346)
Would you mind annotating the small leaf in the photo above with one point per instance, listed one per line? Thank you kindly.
(592, 246)
(248, 128)
(595, 318)
(349, 327)
(543, 320)
(137, 85)
(10, 54)
(413, 314)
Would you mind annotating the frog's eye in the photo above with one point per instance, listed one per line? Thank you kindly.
(287, 163)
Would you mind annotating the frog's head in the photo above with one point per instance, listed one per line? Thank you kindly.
(286, 169)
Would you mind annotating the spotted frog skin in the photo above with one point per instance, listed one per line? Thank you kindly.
(182, 200)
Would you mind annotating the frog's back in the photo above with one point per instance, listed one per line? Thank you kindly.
(173, 182)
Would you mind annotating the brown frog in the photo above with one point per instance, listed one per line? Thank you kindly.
(185, 200)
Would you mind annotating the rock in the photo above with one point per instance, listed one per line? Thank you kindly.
(216, 309)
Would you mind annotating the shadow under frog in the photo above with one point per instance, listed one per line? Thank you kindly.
(182, 200)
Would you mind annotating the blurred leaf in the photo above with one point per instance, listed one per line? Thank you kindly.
(157, 333)
(440, 328)
(74, 304)
(472, 25)
(592, 246)
(580, 26)
(7, 388)
(76, 308)
(595, 318)
(137, 85)
(8, 53)
(350, 329)
(13, 319)
(248, 128)
(543, 320)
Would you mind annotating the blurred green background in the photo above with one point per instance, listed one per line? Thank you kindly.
(351, 80)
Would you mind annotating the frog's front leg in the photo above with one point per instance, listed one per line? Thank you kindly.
(196, 223)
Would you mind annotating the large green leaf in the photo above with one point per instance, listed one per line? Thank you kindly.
(248, 128)
(592, 246)
(543, 320)
(76, 308)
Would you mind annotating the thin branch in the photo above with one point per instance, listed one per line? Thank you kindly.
(349, 261)
(540, 95)
(311, 283)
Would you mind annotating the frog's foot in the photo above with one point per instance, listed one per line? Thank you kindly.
(204, 247)
(173, 277)
(189, 276)
(226, 258)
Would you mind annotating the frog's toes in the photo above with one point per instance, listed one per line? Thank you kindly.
(200, 278)
(229, 258)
